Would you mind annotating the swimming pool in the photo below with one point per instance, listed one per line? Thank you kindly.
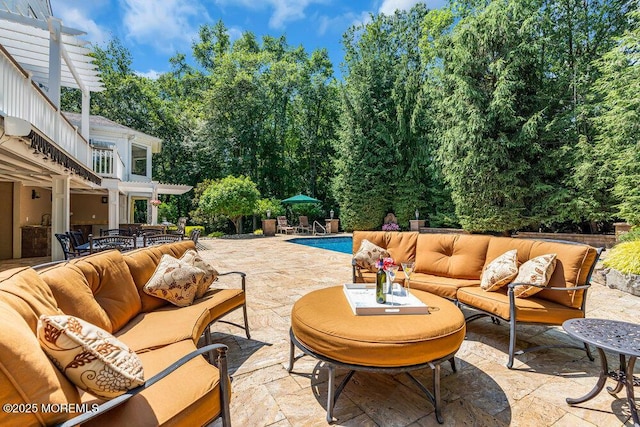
(338, 244)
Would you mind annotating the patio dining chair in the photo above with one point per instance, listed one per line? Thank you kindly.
(77, 241)
(105, 243)
(115, 232)
(67, 247)
(195, 235)
(158, 239)
(283, 226)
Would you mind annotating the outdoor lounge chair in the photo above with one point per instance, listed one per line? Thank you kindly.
(303, 224)
(284, 227)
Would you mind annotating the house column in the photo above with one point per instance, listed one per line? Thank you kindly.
(114, 202)
(60, 210)
(55, 61)
(154, 209)
(114, 208)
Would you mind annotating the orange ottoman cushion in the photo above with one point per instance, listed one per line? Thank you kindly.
(324, 322)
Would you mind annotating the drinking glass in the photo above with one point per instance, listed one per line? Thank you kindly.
(407, 268)
(391, 275)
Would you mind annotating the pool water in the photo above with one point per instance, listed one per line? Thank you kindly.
(338, 244)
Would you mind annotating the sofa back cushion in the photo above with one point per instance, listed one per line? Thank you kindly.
(142, 264)
(71, 290)
(573, 264)
(23, 290)
(460, 256)
(27, 376)
(400, 245)
(109, 281)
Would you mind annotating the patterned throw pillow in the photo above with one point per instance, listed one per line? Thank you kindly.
(537, 271)
(368, 255)
(175, 281)
(194, 259)
(500, 272)
(89, 356)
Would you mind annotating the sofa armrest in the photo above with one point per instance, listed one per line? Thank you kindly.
(572, 288)
(221, 363)
(242, 277)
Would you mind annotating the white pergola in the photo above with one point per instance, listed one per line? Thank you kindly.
(54, 55)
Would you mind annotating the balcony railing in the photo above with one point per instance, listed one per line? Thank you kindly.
(107, 163)
(21, 97)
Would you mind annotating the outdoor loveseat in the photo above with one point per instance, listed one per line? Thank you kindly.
(451, 266)
(105, 289)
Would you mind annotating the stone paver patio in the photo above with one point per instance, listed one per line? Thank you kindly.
(482, 393)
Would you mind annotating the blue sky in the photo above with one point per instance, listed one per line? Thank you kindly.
(154, 30)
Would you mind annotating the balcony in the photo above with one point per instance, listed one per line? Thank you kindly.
(107, 162)
(22, 98)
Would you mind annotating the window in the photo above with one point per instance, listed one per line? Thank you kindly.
(139, 160)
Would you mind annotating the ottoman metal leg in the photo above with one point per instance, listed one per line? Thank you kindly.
(330, 399)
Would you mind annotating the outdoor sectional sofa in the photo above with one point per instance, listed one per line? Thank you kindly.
(451, 266)
(105, 289)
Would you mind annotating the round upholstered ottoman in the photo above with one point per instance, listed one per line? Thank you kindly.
(324, 326)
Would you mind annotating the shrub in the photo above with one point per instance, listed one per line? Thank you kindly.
(625, 257)
(632, 235)
(258, 232)
(189, 228)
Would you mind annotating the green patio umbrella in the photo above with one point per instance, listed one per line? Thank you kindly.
(300, 198)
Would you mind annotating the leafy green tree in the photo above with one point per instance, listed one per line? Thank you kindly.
(490, 113)
(618, 124)
(575, 183)
(272, 205)
(382, 152)
(232, 197)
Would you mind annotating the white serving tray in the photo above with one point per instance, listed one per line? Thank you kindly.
(362, 299)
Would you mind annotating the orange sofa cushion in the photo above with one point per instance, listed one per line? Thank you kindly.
(573, 263)
(400, 245)
(74, 296)
(143, 262)
(189, 396)
(27, 376)
(446, 287)
(170, 324)
(23, 290)
(532, 309)
(324, 322)
(109, 281)
(458, 256)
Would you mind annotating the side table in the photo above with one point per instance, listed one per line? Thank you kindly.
(617, 337)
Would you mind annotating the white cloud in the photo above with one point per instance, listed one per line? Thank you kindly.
(151, 74)
(78, 17)
(339, 23)
(166, 25)
(235, 33)
(283, 10)
(388, 7)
